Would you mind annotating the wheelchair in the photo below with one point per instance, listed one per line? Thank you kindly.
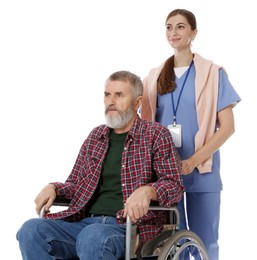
(171, 243)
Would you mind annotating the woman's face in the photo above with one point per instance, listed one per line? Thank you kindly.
(179, 33)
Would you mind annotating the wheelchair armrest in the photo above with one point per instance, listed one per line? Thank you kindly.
(60, 200)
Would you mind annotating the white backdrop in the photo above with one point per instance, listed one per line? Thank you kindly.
(54, 59)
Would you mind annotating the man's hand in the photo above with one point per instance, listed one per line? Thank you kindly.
(45, 198)
(138, 203)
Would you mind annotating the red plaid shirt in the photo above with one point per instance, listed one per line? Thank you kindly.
(149, 158)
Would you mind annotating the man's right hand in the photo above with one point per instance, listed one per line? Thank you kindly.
(45, 198)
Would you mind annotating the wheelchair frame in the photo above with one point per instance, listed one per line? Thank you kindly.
(171, 244)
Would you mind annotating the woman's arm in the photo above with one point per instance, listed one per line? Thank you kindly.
(226, 129)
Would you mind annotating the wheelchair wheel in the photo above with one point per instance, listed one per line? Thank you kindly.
(181, 245)
(153, 246)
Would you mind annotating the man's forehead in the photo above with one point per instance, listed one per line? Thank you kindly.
(117, 86)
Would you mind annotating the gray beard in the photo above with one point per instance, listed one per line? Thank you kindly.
(121, 120)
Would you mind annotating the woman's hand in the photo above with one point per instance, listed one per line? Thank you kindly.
(187, 166)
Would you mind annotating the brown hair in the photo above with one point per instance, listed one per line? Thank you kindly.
(166, 81)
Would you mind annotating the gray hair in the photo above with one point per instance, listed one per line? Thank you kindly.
(134, 80)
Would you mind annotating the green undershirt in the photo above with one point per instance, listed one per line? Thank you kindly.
(107, 199)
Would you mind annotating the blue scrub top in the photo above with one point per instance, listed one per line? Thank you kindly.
(186, 116)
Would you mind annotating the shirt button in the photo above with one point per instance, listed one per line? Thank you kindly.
(123, 184)
(123, 165)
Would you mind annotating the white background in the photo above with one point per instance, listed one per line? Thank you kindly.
(54, 59)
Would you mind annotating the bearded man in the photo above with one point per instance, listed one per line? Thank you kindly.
(122, 166)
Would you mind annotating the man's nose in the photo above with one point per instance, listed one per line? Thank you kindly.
(112, 100)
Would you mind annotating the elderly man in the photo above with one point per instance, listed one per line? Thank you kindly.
(122, 166)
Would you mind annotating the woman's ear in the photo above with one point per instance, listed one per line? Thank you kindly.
(194, 34)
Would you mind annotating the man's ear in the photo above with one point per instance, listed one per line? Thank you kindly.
(138, 102)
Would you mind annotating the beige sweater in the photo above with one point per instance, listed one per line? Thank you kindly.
(206, 97)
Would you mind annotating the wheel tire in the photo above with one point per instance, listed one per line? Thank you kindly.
(172, 245)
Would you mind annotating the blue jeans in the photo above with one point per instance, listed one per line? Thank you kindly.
(93, 238)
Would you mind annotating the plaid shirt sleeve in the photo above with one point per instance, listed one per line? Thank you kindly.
(167, 167)
(82, 181)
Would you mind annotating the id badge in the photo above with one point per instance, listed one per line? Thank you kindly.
(176, 132)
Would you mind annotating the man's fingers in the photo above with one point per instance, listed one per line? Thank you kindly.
(135, 213)
(45, 203)
(39, 207)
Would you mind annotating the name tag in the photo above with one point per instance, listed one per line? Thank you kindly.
(176, 132)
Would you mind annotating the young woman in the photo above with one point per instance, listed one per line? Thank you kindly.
(194, 98)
